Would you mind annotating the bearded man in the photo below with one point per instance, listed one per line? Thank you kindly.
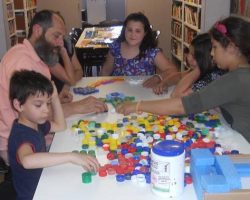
(38, 52)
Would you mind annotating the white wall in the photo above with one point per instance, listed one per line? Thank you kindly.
(70, 10)
(3, 45)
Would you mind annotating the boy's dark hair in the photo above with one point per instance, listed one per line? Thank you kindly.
(44, 19)
(25, 83)
(149, 41)
(202, 53)
(233, 29)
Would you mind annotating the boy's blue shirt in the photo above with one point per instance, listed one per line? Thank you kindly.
(25, 180)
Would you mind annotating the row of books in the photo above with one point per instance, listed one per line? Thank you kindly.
(30, 3)
(192, 16)
(176, 48)
(189, 34)
(176, 29)
(12, 26)
(20, 4)
(177, 10)
(240, 7)
(10, 11)
(194, 1)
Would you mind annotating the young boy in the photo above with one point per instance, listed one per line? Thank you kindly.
(32, 95)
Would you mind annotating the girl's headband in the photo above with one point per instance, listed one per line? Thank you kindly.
(221, 28)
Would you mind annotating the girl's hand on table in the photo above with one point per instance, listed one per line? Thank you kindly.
(126, 108)
(160, 88)
(151, 82)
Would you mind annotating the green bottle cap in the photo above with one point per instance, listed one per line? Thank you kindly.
(86, 177)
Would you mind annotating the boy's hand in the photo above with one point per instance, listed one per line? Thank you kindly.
(126, 108)
(88, 162)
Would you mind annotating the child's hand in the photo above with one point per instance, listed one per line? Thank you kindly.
(88, 162)
(160, 88)
(126, 108)
(151, 82)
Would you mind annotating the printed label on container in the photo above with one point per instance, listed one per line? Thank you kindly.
(160, 174)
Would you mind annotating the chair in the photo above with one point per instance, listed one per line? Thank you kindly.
(3, 167)
(7, 190)
(156, 35)
(75, 34)
(93, 60)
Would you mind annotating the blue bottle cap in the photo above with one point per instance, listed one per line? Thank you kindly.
(168, 148)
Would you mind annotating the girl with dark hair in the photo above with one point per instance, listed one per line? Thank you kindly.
(231, 51)
(135, 53)
(204, 71)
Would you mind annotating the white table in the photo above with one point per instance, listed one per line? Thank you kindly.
(64, 182)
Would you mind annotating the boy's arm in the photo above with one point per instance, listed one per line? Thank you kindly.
(31, 160)
(58, 122)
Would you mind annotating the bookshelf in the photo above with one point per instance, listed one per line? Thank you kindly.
(11, 23)
(24, 11)
(240, 8)
(191, 17)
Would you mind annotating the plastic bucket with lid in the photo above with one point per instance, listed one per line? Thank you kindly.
(167, 168)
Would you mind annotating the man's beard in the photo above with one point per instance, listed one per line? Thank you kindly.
(46, 51)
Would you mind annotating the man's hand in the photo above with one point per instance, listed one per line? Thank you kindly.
(126, 108)
(89, 105)
(65, 96)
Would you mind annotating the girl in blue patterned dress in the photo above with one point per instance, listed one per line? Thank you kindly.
(135, 53)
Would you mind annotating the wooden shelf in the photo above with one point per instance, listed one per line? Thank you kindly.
(240, 8)
(24, 11)
(190, 18)
(10, 23)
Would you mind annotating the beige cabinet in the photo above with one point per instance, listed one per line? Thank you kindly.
(69, 9)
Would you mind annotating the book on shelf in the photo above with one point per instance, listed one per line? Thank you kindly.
(176, 48)
(11, 26)
(10, 11)
(192, 16)
(240, 7)
(177, 10)
(20, 4)
(198, 2)
(189, 34)
(176, 29)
